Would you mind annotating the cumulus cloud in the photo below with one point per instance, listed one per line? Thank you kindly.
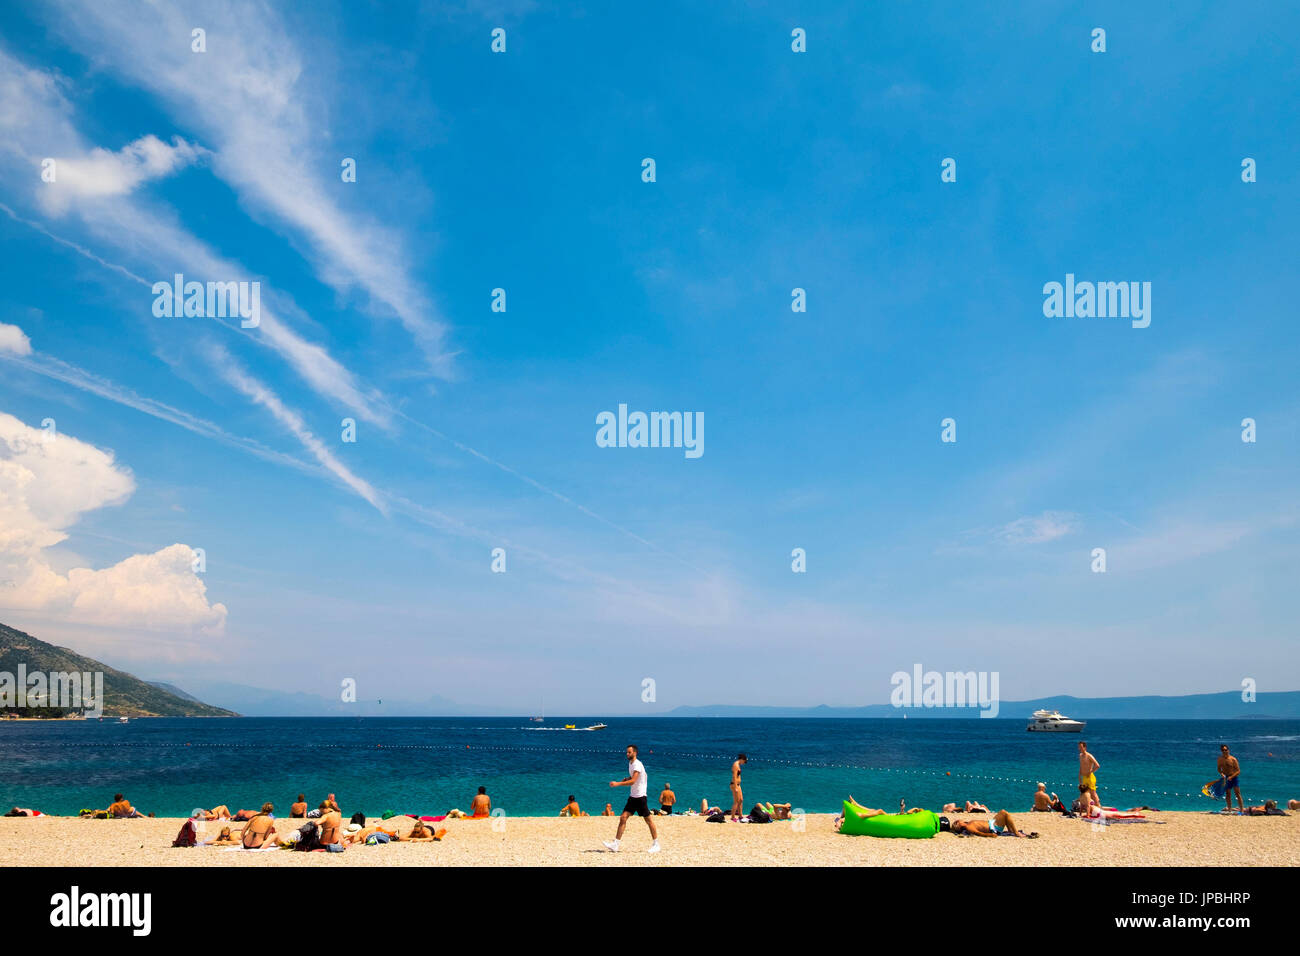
(47, 482)
(14, 341)
(102, 172)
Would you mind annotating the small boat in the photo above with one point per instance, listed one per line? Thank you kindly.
(570, 726)
(1051, 721)
(123, 720)
(597, 727)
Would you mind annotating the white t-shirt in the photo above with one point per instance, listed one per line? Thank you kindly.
(639, 784)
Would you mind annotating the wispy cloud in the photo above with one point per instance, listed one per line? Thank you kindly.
(262, 395)
(1038, 529)
(256, 106)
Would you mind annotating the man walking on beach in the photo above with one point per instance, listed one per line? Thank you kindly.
(1088, 767)
(636, 801)
(737, 795)
(1230, 771)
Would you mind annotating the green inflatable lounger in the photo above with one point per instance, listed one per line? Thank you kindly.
(910, 826)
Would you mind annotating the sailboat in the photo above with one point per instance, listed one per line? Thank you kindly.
(541, 719)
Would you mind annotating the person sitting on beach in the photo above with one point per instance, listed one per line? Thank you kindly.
(571, 809)
(482, 805)
(259, 830)
(1043, 801)
(1000, 825)
(609, 810)
(330, 824)
(666, 800)
(121, 808)
(224, 838)
(298, 810)
(1293, 804)
(331, 803)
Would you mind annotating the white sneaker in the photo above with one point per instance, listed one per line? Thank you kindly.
(654, 847)
(612, 845)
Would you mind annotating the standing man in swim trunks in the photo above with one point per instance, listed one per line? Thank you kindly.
(1230, 771)
(636, 801)
(1088, 767)
(737, 795)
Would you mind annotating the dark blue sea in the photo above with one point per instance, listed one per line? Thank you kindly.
(169, 766)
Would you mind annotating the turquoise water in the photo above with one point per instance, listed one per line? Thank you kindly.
(171, 765)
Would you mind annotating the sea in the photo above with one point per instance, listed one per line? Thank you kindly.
(170, 766)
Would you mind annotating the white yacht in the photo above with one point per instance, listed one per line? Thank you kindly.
(1052, 721)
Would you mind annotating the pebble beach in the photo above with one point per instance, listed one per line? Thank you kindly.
(1179, 838)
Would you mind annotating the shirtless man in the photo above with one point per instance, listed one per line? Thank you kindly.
(331, 803)
(571, 809)
(608, 811)
(1230, 771)
(666, 800)
(1044, 802)
(299, 809)
(121, 807)
(482, 805)
(1088, 767)
(737, 795)
(259, 830)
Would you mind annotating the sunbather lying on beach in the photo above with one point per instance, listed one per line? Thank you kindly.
(24, 812)
(218, 813)
(1268, 809)
(864, 811)
(778, 811)
(1001, 825)
(359, 834)
(224, 838)
(420, 833)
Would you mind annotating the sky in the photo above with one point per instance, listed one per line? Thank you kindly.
(132, 445)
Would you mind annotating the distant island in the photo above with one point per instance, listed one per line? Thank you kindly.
(1277, 705)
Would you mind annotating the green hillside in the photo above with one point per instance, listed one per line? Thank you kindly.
(124, 694)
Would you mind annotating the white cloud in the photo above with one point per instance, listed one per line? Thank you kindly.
(1039, 529)
(262, 112)
(34, 123)
(14, 341)
(46, 484)
(102, 172)
(293, 422)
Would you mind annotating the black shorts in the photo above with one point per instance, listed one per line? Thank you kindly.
(638, 805)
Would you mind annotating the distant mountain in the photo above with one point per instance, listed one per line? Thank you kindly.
(125, 695)
(1281, 705)
(173, 689)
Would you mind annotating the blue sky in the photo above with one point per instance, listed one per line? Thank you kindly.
(476, 429)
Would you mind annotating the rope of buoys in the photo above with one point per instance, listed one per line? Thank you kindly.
(603, 750)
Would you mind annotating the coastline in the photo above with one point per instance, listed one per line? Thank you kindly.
(1180, 838)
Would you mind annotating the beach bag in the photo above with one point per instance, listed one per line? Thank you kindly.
(359, 819)
(717, 818)
(308, 837)
(188, 836)
(759, 815)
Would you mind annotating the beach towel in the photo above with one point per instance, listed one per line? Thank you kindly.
(254, 849)
(1214, 789)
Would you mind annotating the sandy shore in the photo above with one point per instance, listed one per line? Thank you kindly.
(1184, 839)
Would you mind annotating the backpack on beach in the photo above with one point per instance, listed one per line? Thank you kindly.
(359, 818)
(188, 836)
(759, 815)
(308, 837)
